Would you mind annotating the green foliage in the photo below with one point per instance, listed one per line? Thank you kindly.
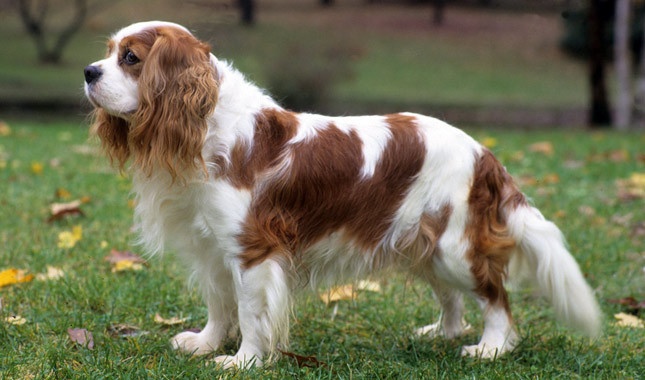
(369, 338)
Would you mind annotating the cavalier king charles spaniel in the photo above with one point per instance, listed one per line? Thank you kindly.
(258, 200)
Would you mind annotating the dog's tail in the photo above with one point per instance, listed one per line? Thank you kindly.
(542, 255)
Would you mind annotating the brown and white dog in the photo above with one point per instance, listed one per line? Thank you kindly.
(258, 200)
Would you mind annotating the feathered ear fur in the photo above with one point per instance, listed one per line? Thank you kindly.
(178, 89)
(113, 133)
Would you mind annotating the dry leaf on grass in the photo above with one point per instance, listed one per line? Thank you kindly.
(5, 130)
(338, 293)
(169, 321)
(61, 210)
(304, 361)
(630, 303)
(14, 276)
(52, 274)
(82, 337)
(122, 330)
(124, 260)
(628, 320)
(68, 239)
(631, 188)
(348, 292)
(543, 147)
(15, 320)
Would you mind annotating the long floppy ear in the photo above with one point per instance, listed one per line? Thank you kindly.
(113, 133)
(178, 89)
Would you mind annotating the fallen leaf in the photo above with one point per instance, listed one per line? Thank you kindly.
(52, 274)
(349, 291)
(304, 361)
(68, 239)
(371, 286)
(15, 320)
(37, 168)
(124, 260)
(551, 178)
(489, 142)
(126, 265)
(116, 256)
(628, 320)
(169, 321)
(14, 276)
(543, 147)
(339, 293)
(5, 130)
(630, 302)
(82, 337)
(620, 155)
(62, 193)
(61, 210)
(126, 331)
(631, 188)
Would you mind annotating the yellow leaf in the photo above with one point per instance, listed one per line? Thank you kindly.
(551, 178)
(124, 265)
(543, 147)
(169, 321)
(37, 168)
(371, 286)
(489, 142)
(4, 129)
(628, 320)
(345, 292)
(77, 232)
(15, 320)
(14, 276)
(52, 273)
(63, 193)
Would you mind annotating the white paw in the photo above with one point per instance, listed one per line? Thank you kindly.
(436, 330)
(483, 351)
(192, 343)
(237, 361)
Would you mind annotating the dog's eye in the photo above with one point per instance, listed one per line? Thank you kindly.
(129, 58)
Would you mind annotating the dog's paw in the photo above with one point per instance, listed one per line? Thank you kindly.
(436, 330)
(237, 361)
(192, 343)
(483, 351)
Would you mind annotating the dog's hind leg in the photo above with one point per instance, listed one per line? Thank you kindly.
(451, 323)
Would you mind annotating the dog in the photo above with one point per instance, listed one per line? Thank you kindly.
(257, 200)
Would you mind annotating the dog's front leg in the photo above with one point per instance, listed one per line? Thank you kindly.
(218, 293)
(263, 310)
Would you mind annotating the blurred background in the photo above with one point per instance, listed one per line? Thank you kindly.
(521, 63)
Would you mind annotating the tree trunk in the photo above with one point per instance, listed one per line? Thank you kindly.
(639, 92)
(247, 8)
(34, 21)
(599, 114)
(622, 115)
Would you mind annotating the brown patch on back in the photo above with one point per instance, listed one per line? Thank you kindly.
(492, 195)
(273, 128)
(323, 192)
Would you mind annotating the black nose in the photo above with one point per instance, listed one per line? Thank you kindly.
(92, 73)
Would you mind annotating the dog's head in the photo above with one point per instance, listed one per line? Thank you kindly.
(153, 93)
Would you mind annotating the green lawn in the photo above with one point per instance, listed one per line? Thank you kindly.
(369, 338)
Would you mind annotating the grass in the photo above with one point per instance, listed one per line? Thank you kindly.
(369, 338)
(476, 58)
